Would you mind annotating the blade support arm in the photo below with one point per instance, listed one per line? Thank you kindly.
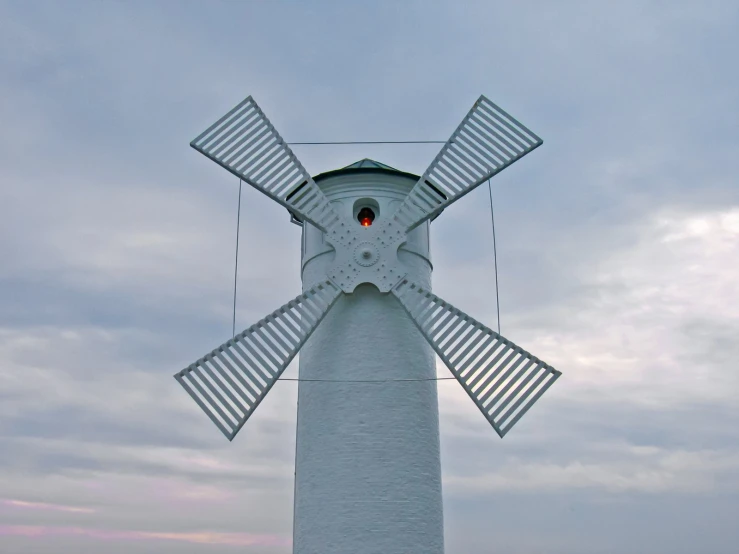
(245, 143)
(502, 379)
(229, 382)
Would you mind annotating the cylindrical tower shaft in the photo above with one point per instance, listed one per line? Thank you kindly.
(368, 475)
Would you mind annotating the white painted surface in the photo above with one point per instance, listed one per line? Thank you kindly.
(368, 475)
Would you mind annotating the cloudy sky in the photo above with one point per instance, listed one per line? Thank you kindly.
(618, 251)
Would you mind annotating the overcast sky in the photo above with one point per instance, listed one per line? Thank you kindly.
(618, 245)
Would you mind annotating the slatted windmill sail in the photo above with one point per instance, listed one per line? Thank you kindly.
(368, 475)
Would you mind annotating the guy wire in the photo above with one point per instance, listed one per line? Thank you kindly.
(495, 254)
(236, 265)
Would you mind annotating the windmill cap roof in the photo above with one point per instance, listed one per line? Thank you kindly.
(365, 165)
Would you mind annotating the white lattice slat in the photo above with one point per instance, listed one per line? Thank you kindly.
(230, 382)
(501, 378)
(245, 143)
(486, 142)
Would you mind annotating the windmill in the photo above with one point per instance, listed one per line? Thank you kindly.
(367, 475)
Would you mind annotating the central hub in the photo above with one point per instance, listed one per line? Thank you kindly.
(366, 254)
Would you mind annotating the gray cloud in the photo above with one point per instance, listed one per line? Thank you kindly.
(617, 242)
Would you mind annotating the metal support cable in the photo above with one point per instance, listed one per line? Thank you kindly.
(369, 142)
(363, 380)
(236, 264)
(495, 254)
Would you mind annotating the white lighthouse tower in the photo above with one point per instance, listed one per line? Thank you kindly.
(368, 474)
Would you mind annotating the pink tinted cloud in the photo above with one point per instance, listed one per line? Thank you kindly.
(24, 504)
(204, 537)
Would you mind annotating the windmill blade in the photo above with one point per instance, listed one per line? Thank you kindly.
(231, 381)
(486, 142)
(245, 143)
(501, 378)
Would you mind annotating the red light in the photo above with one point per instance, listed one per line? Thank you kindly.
(366, 216)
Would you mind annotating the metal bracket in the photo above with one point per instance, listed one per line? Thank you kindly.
(366, 254)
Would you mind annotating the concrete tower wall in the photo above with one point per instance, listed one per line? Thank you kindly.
(368, 475)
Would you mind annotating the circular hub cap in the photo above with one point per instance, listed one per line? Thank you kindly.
(365, 254)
